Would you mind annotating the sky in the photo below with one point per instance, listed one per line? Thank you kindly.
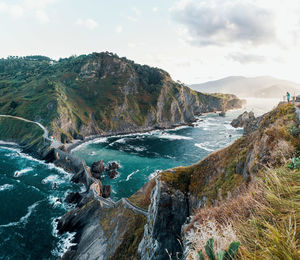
(194, 40)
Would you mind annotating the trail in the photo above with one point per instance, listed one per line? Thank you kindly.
(54, 143)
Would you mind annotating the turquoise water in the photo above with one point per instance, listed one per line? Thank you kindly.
(28, 202)
(29, 207)
(142, 155)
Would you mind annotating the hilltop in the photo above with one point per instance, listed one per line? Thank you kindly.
(259, 87)
(99, 94)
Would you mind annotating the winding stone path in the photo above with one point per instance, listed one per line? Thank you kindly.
(54, 143)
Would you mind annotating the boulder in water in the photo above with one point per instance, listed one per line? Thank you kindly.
(97, 168)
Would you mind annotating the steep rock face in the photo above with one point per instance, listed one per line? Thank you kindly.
(167, 213)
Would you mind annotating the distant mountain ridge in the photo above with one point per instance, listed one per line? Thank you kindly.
(259, 87)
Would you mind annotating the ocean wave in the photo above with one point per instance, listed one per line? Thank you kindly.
(178, 128)
(54, 178)
(174, 137)
(23, 220)
(65, 240)
(55, 201)
(22, 172)
(6, 187)
(203, 146)
(129, 176)
(8, 143)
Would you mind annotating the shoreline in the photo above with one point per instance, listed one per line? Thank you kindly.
(72, 146)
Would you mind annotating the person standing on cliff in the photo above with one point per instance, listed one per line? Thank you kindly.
(288, 95)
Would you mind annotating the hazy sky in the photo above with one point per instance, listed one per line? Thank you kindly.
(194, 40)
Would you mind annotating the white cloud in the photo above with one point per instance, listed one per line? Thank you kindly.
(35, 8)
(221, 22)
(16, 11)
(38, 4)
(42, 16)
(88, 23)
(136, 10)
(3, 7)
(119, 29)
(154, 9)
(131, 45)
(132, 19)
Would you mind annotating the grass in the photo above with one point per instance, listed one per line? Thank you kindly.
(90, 94)
(26, 134)
(264, 217)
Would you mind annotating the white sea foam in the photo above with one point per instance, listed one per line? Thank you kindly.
(64, 243)
(22, 172)
(203, 146)
(129, 176)
(53, 179)
(174, 137)
(8, 143)
(23, 220)
(55, 201)
(6, 187)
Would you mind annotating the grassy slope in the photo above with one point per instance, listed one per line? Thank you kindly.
(85, 92)
(28, 135)
(264, 208)
(216, 175)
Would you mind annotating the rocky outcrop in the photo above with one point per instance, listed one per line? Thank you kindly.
(248, 121)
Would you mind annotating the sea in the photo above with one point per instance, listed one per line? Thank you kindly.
(30, 203)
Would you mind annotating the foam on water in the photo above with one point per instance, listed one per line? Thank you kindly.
(6, 187)
(23, 220)
(22, 172)
(174, 137)
(65, 241)
(204, 147)
(129, 176)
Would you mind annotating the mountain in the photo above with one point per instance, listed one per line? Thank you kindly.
(99, 94)
(259, 87)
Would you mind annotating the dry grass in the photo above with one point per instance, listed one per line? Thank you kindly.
(265, 217)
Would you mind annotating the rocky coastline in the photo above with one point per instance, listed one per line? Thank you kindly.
(94, 206)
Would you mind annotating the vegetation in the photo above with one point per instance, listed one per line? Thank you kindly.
(262, 211)
(87, 94)
(221, 255)
(28, 135)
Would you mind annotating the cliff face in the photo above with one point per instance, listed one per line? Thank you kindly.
(99, 94)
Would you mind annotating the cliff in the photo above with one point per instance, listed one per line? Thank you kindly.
(99, 94)
(238, 193)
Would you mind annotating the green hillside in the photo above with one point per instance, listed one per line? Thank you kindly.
(98, 93)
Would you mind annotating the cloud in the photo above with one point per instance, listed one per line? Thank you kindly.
(38, 4)
(244, 58)
(88, 23)
(42, 16)
(137, 11)
(131, 45)
(28, 7)
(16, 11)
(222, 22)
(119, 29)
(154, 9)
(132, 19)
